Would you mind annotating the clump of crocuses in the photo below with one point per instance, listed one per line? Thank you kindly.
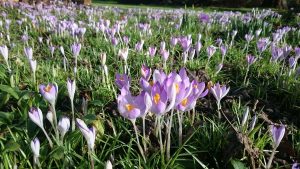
(160, 94)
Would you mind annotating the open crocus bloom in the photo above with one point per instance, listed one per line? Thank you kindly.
(127, 105)
(159, 99)
(122, 80)
(219, 92)
(49, 92)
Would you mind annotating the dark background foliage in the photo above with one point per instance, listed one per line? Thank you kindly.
(283, 4)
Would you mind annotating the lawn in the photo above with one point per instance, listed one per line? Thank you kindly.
(136, 86)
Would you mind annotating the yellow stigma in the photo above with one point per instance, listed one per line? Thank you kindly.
(156, 98)
(209, 84)
(48, 88)
(129, 107)
(195, 86)
(151, 83)
(121, 78)
(177, 88)
(184, 102)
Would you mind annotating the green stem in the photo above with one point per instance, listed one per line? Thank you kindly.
(137, 140)
(271, 159)
(160, 141)
(169, 135)
(144, 134)
(48, 138)
(73, 115)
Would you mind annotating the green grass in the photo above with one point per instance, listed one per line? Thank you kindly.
(208, 142)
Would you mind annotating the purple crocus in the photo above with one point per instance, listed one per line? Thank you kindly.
(139, 46)
(249, 37)
(127, 105)
(277, 134)
(152, 51)
(49, 92)
(159, 99)
(114, 41)
(292, 62)
(88, 133)
(63, 126)
(219, 93)
(198, 47)
(122, 80)
(210, 51)
(75, 48)
(223, 50)
(185, 43)
(28, 52)
(262, 44)
(204, 18)
(36, 115)
(250, 59)
(173, 41)
(35, 148)
(165, 55)
(296, 166)
(146, 72)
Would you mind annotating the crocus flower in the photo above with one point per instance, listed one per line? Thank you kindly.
(28, 52)
(36, 115)
(88, 133)
(75, 48)
(165, 55)
(198, 47)
(125, 40)
(114, 41)
(277, 134)
(49, 92)
(219, 68)
(296, 166)
(152, 51)
(123, 53)
(122, 80)
(292, 62)
(245, 116)
(62, 50)
(103, 58)
(108, 165)
(71, 86)
(49, 117)
(210, 51)
(52, 49)
(250, 59)
(35, 148)
(139, 46)
(223, 49)
(63, 126)
(162, 46)
(297, 52)
(127, 105)
(146, 72)
(4, 53)
(249, 37)
(262, 44)
(159, 99)
(219, 93)
(33, 65)
(257, 33)
(173, 41)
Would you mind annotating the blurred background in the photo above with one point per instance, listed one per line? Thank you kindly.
(281, 4)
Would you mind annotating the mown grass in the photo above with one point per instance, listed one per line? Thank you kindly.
(209, 142)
